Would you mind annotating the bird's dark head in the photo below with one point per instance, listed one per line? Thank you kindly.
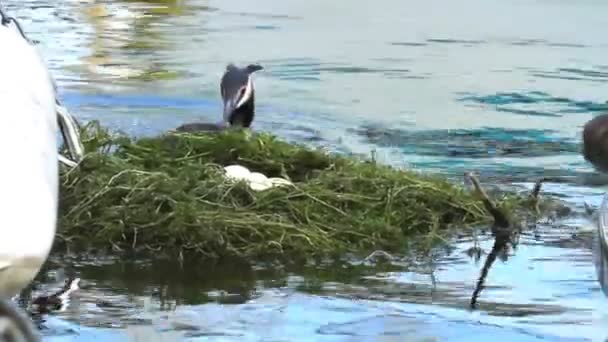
(595, 142)
(238, 94)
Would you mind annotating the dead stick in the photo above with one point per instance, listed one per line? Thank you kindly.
(500, 219)
(534, 194)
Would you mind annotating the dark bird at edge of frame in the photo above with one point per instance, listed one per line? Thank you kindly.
(595, 142)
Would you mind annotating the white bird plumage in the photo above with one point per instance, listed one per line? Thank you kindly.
(29, 176)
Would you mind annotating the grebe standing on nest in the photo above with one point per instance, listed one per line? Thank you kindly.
(238, 96)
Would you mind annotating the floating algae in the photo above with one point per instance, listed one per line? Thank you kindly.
(169, 195)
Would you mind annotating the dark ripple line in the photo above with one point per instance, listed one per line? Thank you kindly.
(266, 27)
(533, 97)
(552, 75)
(456, 41)
(526, 112)
(568, 45)
(311, 70)
(531, 42)
(590, 73)
(478, 143)
(408, 44)
(262, 15)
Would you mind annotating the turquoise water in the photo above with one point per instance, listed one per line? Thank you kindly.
(497, 87)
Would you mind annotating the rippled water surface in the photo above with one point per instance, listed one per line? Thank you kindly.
(499, 87)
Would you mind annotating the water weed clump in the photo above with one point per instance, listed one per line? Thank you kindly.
(168, 194)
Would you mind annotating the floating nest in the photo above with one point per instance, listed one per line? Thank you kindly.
(169, 195)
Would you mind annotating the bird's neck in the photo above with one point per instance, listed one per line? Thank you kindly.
(243, 116)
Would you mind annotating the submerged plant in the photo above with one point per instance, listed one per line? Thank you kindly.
(168, 194)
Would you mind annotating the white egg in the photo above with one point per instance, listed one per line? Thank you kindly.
(257, 181)
(260, 186)
(277, 181)
(237, 172)
(257, 177)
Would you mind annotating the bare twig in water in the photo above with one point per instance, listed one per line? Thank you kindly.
(502, 229)
(500, 219)
(534, 195)
(536, 190)
(589, 210)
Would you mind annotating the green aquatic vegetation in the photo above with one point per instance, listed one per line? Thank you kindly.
(168, 195)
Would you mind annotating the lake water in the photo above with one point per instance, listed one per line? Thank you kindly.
(498, 87)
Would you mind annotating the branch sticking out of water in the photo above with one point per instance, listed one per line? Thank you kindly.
(589, 210)
(502, 237)
(500, 219)
(534, 195)
(503, 231)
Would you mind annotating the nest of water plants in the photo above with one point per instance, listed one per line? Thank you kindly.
(169, 195)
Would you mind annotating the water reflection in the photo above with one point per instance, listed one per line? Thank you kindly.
(124, 29)
(538, 291)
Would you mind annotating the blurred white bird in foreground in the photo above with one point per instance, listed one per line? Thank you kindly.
(29, 172)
